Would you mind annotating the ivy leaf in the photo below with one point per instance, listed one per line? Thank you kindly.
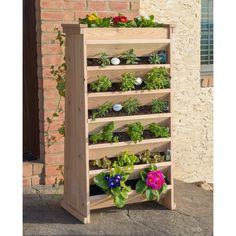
(149, 194)
(140, 186)
(55, 114)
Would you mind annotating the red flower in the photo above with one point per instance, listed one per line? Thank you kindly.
(119, 19)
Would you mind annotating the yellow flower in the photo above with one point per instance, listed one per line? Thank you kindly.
(92, 17)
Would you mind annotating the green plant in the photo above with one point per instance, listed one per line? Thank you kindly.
(146, 21)
(157, 78)
(95, 138)
(131, 105)
(113, 184)
(148, 157)
(94, 21)
(158, 131)
(104, 60)
(159, 106)
(154, 59)
(130, 57)
(125, 159)
(101, 85)
(152, 183)
(104, 163)
(128, 81)
(135, 131)
(102, 110)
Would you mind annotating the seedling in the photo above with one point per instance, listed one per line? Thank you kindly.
(102, 110)
(130, 57)
(154, 59)
(104, 60)
(128, 81)
(158, 131)
(159, 106)
(131, 105)
(101, 85)
(135, 132)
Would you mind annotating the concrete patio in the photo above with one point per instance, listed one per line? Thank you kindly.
(193, 215)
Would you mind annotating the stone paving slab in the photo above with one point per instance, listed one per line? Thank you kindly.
(43, 215)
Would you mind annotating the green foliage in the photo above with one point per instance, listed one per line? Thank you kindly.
(101, 85)
(148, 157)
(104, 163)
(154, 59)
(148, 21)
(159, 106)
(59, 180)
(135, 131)
(102, 110)
(95, 21)
(104, 60)
(105, 135)
(157, 78)
(120, 191)
(131, 105)
(142, 187)
(128, 81)
(130, 57)
(158, 131)
(125, 159)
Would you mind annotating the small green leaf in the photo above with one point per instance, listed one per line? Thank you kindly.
(143, 175)
(153, 167)
(100, 181)
(149, 194)
(119, 201)
(157, 194)
(140, 186)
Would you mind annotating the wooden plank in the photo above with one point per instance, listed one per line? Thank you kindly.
(164, 166)
(144, 97)
(104, 201)
(121, 123)
(99, 42)
(98, 151)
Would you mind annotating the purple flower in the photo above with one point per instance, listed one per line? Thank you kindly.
(117, 176)
(112, 182)
(107, 177)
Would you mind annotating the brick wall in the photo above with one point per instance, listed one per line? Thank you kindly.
(33, 173)
(51, 14)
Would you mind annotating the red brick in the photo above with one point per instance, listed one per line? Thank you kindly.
(52, 16)
(69, 16)
(50, 49)
(48, 37)
(135, 5)
(97, 6)
(55, 148)
(81, 6)
(49, 60)
(36, 180)
(54, 159)
(81, 15)
(50, 26)
(26, 182)
(50, 180)
(48, 4)
(117, 5)
(51, 170)
(27, 169)
(38, 168)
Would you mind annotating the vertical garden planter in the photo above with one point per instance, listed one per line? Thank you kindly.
(83, 43)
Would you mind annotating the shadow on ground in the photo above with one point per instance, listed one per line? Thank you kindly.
(193, 216)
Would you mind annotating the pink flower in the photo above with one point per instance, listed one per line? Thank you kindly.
(155, 179)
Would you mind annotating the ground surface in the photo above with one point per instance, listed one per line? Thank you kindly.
(193, 215)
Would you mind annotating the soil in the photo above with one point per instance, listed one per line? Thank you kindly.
(95, 190)
(142, 111)
(96, 61)
(116, 87)
(123, 136)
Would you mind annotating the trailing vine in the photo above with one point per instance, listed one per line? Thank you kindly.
(59, 75)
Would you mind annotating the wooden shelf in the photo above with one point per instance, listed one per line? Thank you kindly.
(126, 67)
(126, 41)
(104, 201)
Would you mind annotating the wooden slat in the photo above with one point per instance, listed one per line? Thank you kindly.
(99, 42)
(104, 201)
(121, 122)
(164, 166)
(144, 97)
(98, 151)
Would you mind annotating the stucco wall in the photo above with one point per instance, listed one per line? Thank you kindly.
(192, 105)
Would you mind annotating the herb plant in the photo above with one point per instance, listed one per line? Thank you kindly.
(135, 132)
(131, 105)
(130, 57)
(95, 138)
(145, 21)
(103, 163)
(101, 85)
(152, 183)
(102, 110)
(159, 106)
(154, 59)
(128, 81)
(158, 131)
(104, 60)
(126, 159)
(113, 184)
(148, 157)
(157, 78)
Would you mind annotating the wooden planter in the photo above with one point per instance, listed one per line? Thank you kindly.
(83, 43)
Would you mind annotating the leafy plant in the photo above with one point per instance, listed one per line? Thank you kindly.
(95, 138)
(104, 163)
(128, 81)
(135, 131)
(113, 184)
(154, 59)
(157, 78)
(159, 106)
(94, 21)
(152, 183)
(125, 159)
(131, 105)
(130, 57)
(145, 21)
(148, 157)
(158, 131)
(104, 60)
(101, 85)
(102, 110)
